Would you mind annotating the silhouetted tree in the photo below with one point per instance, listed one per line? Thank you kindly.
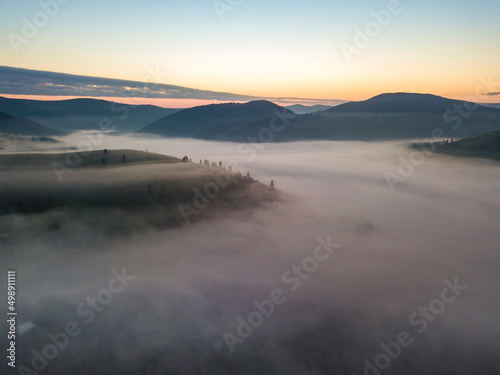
(124, 159)
(105, 151)
(220, 164)
(185, 159)
(272, 184)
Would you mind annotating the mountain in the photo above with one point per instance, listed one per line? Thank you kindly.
(84, 114)
(384, 117)
(214, 120)
(485, 146)
(23, 126)
(300, 109)
(400, 104)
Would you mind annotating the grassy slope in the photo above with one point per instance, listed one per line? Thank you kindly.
(90, 159)
(149, 188)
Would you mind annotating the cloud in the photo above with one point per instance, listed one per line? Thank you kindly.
(492, 94)
(18, 81)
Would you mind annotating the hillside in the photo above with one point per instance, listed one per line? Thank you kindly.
(384, 117)
(145, 189)
(84, 114)
(91, 159)
(23, 126)
(485, 146)
(208, 122)
(401, 104)
(359, 128)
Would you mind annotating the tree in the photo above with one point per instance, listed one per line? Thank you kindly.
(105, 151)
(103, 161)
(185, 159)
(272, 184)
(124, 159)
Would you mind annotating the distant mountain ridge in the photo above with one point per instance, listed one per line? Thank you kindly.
(83, 113)
(23, 126)
(210, 120)
(383, 117)
(400, 103)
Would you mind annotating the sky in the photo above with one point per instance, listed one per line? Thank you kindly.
(315, 49)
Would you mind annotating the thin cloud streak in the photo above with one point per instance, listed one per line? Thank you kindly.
(18, 81)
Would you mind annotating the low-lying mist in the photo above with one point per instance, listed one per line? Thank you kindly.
(381, 260)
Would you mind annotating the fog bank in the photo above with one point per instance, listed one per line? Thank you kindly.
(398, 245)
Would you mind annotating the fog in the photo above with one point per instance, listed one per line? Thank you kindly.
(394, 228)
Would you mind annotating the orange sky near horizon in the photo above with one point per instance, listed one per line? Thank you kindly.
(188, 103)
(161, 102)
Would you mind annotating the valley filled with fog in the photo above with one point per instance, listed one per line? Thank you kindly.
(394, 228)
